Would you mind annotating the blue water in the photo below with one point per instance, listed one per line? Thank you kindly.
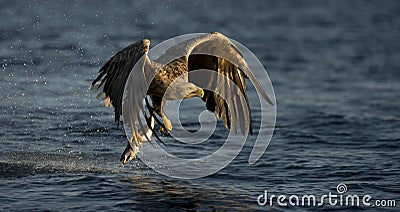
(334, 66)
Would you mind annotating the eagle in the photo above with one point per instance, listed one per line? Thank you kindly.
(129, 78)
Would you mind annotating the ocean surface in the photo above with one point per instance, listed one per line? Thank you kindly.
(334, 65)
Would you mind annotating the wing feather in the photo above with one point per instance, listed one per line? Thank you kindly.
(134, 102)
(214, 102)
(216, 52)
(114, 74)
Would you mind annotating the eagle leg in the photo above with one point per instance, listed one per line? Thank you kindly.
(129, 154)
(158, 105)
(167, 123)
(131, 150)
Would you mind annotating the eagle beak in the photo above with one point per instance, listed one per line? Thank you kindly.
(201, 93)
(197, 93)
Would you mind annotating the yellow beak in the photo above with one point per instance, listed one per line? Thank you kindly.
(201, 93)
(197, 93)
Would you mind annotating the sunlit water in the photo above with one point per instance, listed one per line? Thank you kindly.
(334, 66)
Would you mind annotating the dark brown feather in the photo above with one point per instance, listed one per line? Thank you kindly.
(214, 102)
(114, 73)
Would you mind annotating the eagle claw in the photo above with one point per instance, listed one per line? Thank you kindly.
(129, 154)
(164, 131)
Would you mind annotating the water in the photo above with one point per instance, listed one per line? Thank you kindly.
(334, 66)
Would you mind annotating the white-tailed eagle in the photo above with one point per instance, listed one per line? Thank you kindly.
(227, 61)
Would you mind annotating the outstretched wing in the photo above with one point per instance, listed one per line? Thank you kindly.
(217, 84)
(114, 74)
(226, 96)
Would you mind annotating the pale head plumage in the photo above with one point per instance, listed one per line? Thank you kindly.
(182, 89)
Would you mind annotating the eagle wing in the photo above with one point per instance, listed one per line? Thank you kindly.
(114, 74)
(225, 85)
(226, 95)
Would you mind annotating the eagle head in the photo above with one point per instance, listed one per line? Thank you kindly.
(181, 89)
